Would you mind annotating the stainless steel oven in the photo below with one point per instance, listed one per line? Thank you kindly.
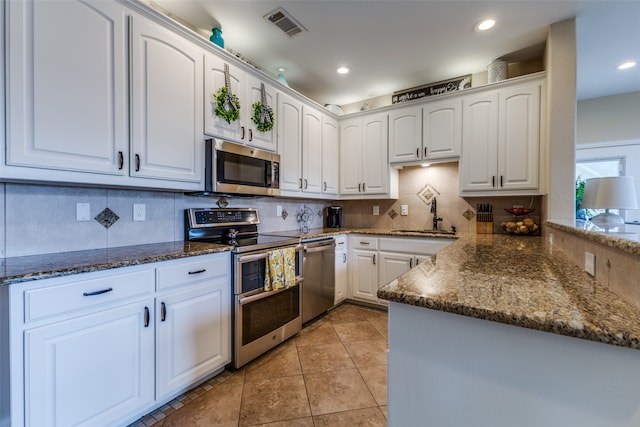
(261, 319)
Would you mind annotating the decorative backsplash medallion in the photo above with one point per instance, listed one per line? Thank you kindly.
(427, 194)
(107, 217)
(468, 214)
(392, 214)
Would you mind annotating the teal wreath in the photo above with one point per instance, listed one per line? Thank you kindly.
(227, 105)
(262, 117)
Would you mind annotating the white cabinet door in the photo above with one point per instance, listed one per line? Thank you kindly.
(265, 140)
(311, 150)
(330, 155)
(393, 265)
(350, 156)
(193, 328)
(214, 79)
(405, 134)
(91, 370)
(442, 129)
(479, 161)
(167, 140)
(67, 86)
(519, 137)
(375, 167)
(341, 270)
(289, 131)
(364, 275)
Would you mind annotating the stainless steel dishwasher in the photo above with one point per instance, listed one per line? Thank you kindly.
(319, 277)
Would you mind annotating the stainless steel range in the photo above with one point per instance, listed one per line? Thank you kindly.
(262, 319)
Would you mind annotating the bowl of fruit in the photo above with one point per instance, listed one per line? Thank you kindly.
(527, 226)
(519, 211)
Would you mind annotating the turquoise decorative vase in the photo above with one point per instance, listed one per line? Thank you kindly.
(216, 37)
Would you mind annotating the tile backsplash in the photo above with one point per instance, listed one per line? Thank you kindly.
(416, 185)
(40, 219)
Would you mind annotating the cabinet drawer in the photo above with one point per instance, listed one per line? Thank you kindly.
(193, 270)
(413, 246)
(341, 241)
(363, 242)
(78, 295)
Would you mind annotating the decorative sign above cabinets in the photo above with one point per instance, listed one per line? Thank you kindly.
(446, 86)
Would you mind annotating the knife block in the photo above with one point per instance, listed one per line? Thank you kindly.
(484, 227)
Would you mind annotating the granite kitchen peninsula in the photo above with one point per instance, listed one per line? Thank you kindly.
(507, 330)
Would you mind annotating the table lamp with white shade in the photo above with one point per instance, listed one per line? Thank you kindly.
(614, 192)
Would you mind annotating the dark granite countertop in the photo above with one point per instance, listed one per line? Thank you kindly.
(521, 281)
(27, 268)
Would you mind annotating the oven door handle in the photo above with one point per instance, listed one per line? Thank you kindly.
(262, 295)
(260, 255)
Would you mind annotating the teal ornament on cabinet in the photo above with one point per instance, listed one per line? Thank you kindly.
(216, 37)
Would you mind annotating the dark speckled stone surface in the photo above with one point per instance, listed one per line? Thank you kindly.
(23, 269)
(520, 281)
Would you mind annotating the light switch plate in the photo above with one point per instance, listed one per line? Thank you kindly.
(590, 263)
(278, 210)
(404, 210)
(376, 210)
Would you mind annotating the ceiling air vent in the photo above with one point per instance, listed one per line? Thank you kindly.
(281, 19)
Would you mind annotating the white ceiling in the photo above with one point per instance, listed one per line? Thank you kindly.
(392, 45)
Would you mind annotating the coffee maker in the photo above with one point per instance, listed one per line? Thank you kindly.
(333, 217)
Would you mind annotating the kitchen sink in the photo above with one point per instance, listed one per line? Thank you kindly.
(426, 232)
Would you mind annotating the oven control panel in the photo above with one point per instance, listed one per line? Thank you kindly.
(212, 217)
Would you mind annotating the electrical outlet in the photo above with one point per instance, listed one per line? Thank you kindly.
(551, 238)
(83, 211)
(278, 210)
(376, 210)
(590, 263)
(404, 210)
(139, 212)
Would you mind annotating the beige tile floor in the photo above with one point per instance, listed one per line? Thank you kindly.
(333, 373)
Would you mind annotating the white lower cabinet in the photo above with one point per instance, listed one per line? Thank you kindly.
(341, 274)
(193, 330)
(105, 348)
(90, 370)
(376, 261)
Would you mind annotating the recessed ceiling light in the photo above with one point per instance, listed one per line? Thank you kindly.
(343, 70)
(626, 65)
(485, 24)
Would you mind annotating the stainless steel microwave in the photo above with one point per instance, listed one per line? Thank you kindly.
(237, 169)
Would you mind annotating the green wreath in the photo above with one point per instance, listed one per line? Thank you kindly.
(262, 117)
(227, 105)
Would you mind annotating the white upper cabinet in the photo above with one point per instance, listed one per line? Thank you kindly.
(364, 167)
(67, 105)
(311, 150)
(442, 129)
(166, 109)
(248, 90)
(501, 143)
(405, 134)
(330, 155)
(289, 129)
(429, 131)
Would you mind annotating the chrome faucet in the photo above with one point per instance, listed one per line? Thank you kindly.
(434, 211)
